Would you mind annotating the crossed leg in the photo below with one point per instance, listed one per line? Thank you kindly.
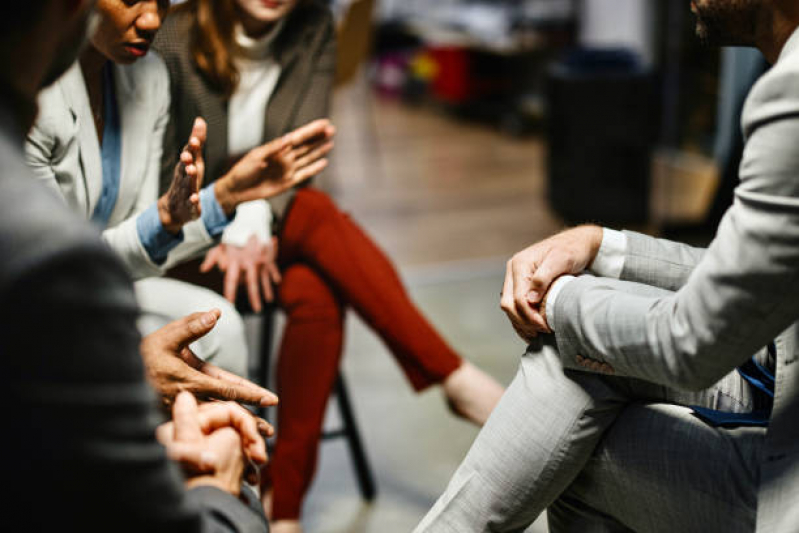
(541, 436)
(659, 469)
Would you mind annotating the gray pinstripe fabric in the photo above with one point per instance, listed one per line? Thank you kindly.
(658, 468)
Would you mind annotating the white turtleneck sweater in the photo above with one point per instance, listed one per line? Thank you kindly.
(258, 75)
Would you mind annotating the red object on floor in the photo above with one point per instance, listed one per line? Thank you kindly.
(329, 264)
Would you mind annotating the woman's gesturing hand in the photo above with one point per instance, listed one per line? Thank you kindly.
(181, 203)
(274, 167)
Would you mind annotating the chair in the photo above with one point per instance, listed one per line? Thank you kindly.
(349, 425)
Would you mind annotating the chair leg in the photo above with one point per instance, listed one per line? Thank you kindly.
(366, 481)
(265, 352)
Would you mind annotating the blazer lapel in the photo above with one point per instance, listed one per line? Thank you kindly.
(133, 123)
(77, 98)
(294, 40)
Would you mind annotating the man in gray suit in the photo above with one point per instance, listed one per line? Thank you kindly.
(79, 417)
(639, 404)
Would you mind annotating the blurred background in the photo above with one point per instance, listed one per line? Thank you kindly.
(468, 130)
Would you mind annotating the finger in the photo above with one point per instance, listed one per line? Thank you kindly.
(211, 258)
(314, 155)
(185, 417)
(264, 428)
(182, 332)
(522, 287)
(256, 394)
(193, 456)
(199, 130)
(309, 131)
(218, 415)
(553, 266)
(165, 433)
(266, 284)
(229, 390)
(231, 281)
(506, 296)
(274, 272)
(254, 294)
(307, 172)
(267, 150)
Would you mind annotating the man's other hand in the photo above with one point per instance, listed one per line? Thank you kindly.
(530, 273)
(172, 367)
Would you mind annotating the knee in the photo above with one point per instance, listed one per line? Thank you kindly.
(315, 203)
(305, 294)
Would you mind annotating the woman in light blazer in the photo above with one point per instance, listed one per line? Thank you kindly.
(255, 70)
(98, 144)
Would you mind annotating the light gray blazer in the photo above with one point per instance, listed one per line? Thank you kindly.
(730, 301)
(64, 152)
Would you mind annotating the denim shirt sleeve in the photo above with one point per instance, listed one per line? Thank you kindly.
(154, 237)
(213, 217)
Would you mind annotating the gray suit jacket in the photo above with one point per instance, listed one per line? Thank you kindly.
(306, 52)
(730, 300)
(64, 152)
(79, 417)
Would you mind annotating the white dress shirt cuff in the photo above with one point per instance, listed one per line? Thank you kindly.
(252, 218)
(552, 296)
(609, 261)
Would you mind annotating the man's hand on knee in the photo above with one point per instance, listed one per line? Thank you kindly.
(530, 273)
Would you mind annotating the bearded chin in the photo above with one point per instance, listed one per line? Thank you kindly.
(71, 48)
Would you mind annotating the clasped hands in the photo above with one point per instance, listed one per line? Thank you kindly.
(530, 273)
(264, 172)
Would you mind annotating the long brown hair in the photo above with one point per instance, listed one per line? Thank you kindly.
(211, 42)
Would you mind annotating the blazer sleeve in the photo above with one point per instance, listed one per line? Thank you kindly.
(658, 262)
(82, 407)
(742, 293)
(124, 238)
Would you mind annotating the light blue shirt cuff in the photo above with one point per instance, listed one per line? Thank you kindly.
(214, 218)
(157, 241)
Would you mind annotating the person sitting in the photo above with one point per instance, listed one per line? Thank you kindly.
(79, 416)
(255, 71)
(98, 144)
(639, 405)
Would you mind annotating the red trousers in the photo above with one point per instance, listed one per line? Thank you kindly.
(329, 264)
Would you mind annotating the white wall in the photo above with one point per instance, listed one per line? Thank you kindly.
(627, 23)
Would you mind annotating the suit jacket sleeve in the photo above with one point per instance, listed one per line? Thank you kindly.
(742, 292)
(659, 262)
(83, 409)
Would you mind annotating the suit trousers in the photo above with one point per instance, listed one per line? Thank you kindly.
(543, 446)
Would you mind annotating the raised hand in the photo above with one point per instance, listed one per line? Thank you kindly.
(530, 273)
(172, 367)
(181, 203)
(274, 167)
(255, 264)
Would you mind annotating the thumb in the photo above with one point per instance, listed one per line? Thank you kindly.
(187, 418)
(200, 129)
(188, 329)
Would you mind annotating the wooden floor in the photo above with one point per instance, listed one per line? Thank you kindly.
(432, 189)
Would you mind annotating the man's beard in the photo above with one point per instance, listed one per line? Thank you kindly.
(71, 47)
(726, 22)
